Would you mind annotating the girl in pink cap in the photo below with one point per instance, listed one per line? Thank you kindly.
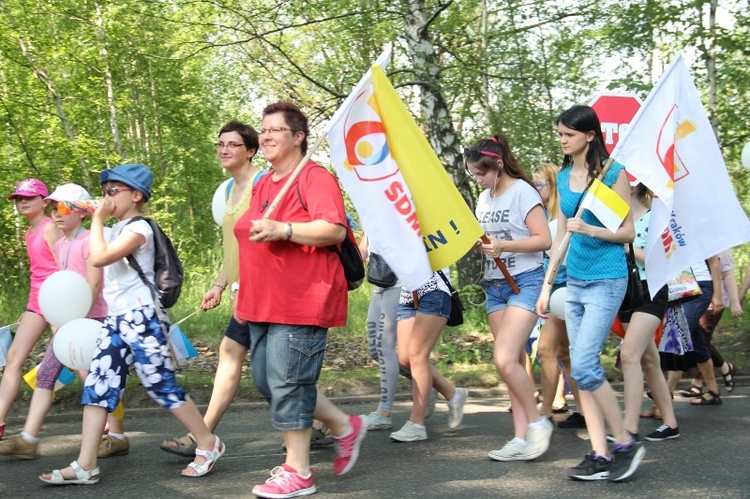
(40, 239)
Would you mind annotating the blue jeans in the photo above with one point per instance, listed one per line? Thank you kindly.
(694, 310)
(590, 308)
(286, 361)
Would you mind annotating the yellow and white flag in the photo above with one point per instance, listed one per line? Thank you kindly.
(606, 204)
(414, 216)
(671, 148)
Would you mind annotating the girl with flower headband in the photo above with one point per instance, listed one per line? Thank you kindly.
(511, 213)
(29, 198)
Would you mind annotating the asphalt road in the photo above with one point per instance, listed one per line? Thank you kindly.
(710, 459)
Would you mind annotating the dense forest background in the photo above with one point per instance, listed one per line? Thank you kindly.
(89, 84)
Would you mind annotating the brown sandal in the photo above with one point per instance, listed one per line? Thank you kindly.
(652, 412)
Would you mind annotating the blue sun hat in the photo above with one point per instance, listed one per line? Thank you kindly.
(134, 175)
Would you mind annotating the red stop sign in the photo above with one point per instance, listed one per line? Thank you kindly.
(615, 112)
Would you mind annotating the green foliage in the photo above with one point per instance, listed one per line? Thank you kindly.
(87, 85)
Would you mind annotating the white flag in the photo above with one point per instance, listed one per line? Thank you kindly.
(371, 177)
(670, 147)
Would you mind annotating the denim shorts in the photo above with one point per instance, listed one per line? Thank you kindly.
(433, 303)
(590, 308)
(500, 294)
(286, 361)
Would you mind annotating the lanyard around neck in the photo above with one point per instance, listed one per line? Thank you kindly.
(70, 245)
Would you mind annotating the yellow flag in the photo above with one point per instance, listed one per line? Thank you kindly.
(449, 228)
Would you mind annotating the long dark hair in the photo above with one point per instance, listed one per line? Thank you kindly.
(584, 119)
(497, 144)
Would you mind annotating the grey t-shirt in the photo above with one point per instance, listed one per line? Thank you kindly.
(504, 218)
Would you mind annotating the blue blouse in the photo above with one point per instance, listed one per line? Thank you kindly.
(591, 258)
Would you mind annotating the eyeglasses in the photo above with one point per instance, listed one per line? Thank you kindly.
(112, 191)
(274, 130)
(473, 154)
(540, 185)
(231, 145)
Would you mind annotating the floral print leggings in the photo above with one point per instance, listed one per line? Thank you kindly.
(135, 338)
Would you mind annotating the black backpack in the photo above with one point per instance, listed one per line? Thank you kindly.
(167, 266)
(349, 255)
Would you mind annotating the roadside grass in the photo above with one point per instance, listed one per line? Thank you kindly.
(463, 354)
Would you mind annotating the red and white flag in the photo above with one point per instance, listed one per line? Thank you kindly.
(671, 148)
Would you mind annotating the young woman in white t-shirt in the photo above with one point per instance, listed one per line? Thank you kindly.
(512, 216)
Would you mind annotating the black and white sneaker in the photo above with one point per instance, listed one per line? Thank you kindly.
(625, 461)
(663, 432)
(591, 468)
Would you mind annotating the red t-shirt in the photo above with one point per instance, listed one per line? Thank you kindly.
(282, 282)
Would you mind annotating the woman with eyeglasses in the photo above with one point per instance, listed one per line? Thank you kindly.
(511, 213)
(236, 147)
(597, 278)
(552, 347)
(292, 290)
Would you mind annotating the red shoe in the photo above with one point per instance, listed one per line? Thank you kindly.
(2, 430)
(347, 446)
(286, 482)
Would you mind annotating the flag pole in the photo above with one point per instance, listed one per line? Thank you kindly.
(555, 265)
(384, 57)
(501, 265)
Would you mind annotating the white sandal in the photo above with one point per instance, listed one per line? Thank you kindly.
(211, 456)
(83, 477)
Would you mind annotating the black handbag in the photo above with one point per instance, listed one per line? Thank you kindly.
(457, 308)
(379, 273)
(634, 292)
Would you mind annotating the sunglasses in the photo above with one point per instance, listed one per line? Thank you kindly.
(474, 154)
(540, 185)
(112, 191)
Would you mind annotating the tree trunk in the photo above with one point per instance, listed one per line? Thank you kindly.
(111, 105)
(710, 50)
(46, 80)
(440, 130)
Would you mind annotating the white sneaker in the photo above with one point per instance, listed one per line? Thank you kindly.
(409, 433)
(375, 421)
(512, 451)
(539, 438)
(457, 409)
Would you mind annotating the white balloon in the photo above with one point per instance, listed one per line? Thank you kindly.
(219, 203)
(75, 342)
(557, 303)
(64, 296)
(746, 155)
